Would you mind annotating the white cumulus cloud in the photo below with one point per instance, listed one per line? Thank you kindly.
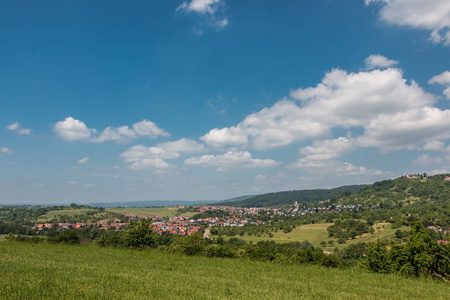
(431, 15)
(231, 159)
(328, 149)
(379, 61)
(354, 99)
(443, 79)
(406, 129)
(73, 130)
(279, 125)
(391, 113)
(143, 157)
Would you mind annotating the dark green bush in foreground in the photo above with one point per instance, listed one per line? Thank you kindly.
(418, 257)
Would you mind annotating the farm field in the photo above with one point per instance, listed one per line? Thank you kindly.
(70, 212)
(315, 233)
(151, 211)
(48, 271)
(385, 233)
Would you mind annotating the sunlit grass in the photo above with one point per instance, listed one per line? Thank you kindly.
(69, 212)
(45, 271)
(316, 233)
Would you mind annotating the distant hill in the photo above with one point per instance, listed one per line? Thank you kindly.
(236, 199)
(404, 191)
(150, 203)
(289, 197)
(159, 203)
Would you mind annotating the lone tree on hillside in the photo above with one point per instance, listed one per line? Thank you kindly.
(140, 234)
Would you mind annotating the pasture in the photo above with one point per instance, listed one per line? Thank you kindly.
(316, 233)
(48, 271)
(69, 212)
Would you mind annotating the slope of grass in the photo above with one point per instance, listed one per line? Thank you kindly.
(385, 233)
(45, 271)
(315, 233)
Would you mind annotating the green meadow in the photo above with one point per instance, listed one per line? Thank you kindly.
(138, 211)
(48, 271)
(69, 212)
(316, 233)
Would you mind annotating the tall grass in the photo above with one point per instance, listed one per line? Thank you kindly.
(46, 271)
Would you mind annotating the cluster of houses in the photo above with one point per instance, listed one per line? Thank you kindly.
(420, 176)
(102, 224)
(295, 210)
(440, 229)
(176, 225)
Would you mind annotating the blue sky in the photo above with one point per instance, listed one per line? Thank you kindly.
(211, 99)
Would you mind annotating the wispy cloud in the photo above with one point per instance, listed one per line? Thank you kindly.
(83, 160)
(6, 150)
(16, 127)
(213, 12)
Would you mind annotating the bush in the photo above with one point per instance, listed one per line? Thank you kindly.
(68, 236)
(139, 235)
(189, 245)
(223, 251)
(420, 256)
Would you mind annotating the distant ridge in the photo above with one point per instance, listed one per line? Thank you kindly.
(150, 203)
(289, 197)
(236, 199)
(158, 203)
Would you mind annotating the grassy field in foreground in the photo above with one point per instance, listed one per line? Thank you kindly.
(315, 233)
(151, 211)
(46, 271)
(70, 212)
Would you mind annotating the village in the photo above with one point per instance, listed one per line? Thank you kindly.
(181, 225)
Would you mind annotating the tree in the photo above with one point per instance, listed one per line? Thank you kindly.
(140, 234)
(420, 256)
(377, 257)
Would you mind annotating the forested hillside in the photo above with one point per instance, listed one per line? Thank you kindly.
(289, 197)
(404, 191)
